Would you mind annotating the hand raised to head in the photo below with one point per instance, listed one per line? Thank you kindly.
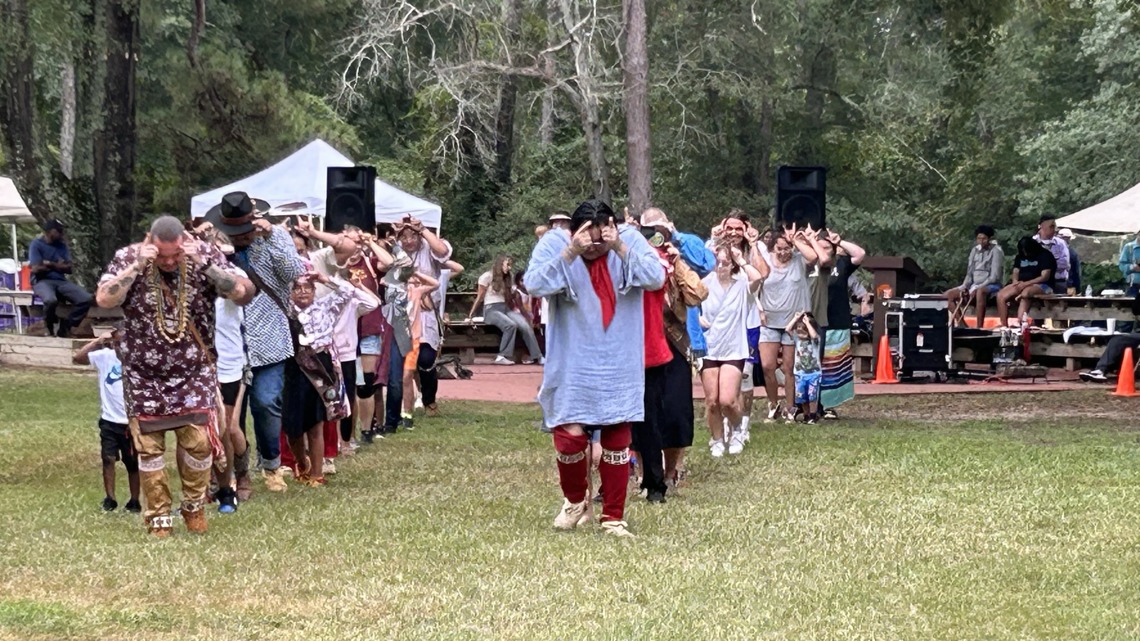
(581, 241)
(147, 252)
(303, 226)
(190, 248)
(610, 235)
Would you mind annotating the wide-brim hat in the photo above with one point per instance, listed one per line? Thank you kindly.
(234, 216)
(554, 217)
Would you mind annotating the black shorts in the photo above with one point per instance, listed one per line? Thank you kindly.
(230, 392)
(115, 442)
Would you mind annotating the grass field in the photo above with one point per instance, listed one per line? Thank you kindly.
(915, 518)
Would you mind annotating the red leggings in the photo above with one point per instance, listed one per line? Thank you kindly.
(574, 467)
(332, 435)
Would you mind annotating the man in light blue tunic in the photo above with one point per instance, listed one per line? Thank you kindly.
(593, 275)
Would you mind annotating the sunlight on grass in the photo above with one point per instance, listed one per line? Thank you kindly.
(912, 527)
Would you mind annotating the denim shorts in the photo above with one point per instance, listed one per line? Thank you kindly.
(370, 345)
(776, 335)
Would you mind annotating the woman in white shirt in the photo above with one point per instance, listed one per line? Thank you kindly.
(497, 294)
(724, 317)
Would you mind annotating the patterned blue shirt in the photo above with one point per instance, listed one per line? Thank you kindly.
(276, 262)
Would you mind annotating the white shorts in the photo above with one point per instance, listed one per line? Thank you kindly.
(746, 377)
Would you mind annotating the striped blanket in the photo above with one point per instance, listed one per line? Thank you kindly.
(838, 385)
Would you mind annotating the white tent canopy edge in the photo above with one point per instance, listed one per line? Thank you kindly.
(303, 176)
(1117, 215)
(13, 209)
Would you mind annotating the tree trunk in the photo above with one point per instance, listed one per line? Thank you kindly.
(508, 94)
(546, 124)
(17, 109)
(117, 139)
(636, 99)
(586, 100)
(67, 120)
(599, 167)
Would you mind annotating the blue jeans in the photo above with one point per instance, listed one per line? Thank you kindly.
(394, 403)
(265, 405)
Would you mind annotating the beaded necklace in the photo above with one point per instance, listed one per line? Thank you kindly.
(182, 305)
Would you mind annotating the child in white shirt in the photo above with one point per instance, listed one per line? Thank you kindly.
(113, 432)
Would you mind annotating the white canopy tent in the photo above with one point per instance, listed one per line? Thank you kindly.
(13, 210)
(1118, 215)
(303, 176)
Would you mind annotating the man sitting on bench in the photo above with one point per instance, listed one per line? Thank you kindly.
(1110, 360)
(50, 260)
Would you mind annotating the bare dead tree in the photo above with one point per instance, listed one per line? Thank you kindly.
(463, 76)
(636, 100)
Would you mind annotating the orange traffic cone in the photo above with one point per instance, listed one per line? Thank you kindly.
(1126, 383)
(884, 364)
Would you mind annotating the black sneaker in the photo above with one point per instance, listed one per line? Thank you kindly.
(109, 504)
(407, 423)
(227, 500)
(366, 436)
(133, 506)
(655, 496)
(830, 415)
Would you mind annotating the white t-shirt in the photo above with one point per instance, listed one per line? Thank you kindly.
(726, 311)
(106, 363)
(228, 340)
(491, 296)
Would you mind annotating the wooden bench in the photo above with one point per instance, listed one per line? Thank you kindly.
(470, 337)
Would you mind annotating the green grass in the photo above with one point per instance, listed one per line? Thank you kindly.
(967, 517)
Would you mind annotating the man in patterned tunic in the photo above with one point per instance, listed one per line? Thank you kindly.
(167, 286)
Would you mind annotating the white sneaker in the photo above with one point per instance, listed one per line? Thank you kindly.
(419, 404)
(744, 429)
(717, 449)
(329, 467)
(618, 529)
(736, 444)
(572, 514)
(773, 412)
(500, 360)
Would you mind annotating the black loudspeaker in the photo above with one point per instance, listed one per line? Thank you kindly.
(801, 196)
(350, 198)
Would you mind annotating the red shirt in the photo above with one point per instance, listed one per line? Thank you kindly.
(372, 323)
(657, 350)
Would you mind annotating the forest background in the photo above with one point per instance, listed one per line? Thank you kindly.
(932, 116)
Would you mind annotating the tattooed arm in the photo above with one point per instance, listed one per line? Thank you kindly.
(113, 289)
(231, 286)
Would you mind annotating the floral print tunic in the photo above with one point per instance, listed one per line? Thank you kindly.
(167, 384)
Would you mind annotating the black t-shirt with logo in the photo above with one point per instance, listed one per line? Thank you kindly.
(1031, 268)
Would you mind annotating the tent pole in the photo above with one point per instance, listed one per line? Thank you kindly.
(15, 254)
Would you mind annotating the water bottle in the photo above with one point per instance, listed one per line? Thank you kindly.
(1088, 291)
